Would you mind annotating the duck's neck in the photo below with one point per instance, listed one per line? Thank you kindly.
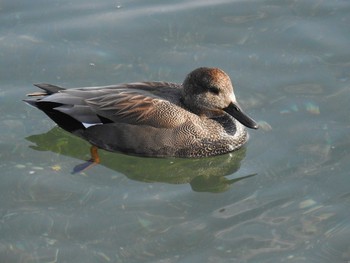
(190, 105)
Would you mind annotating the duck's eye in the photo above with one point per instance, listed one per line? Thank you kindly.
(214, 90)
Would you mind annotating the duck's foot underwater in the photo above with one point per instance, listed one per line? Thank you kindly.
(95, 159)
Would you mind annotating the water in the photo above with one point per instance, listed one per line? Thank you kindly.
(283, 198)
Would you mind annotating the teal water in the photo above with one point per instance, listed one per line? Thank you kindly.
(285, 197)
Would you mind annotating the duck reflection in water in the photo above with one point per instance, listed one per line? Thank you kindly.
(203, 174)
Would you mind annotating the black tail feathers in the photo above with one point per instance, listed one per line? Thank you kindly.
(48, 88)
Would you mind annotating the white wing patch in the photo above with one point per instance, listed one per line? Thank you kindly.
(87, 125)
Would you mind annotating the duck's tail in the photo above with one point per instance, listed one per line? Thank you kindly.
(48, 89)
(39, 100)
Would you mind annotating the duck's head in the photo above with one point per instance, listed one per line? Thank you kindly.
(209, 91)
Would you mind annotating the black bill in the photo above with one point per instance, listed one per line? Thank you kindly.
(235, 111)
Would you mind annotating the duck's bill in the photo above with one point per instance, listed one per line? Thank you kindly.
(235, 111)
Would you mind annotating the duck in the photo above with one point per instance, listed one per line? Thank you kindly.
(198, 118)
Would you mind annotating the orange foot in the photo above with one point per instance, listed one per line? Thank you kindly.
(95, 159)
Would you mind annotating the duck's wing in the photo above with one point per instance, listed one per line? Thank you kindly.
(155, 104)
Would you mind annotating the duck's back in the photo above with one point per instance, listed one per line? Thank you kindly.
(133, 102)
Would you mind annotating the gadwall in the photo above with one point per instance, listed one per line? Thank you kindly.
(196, 119)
